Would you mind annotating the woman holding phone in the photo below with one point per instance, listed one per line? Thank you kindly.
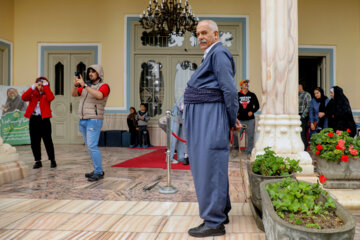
(39, 96)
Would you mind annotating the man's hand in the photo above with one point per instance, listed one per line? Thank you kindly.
(79, 81)
(321, 114)
(312, 126)
(250, 114)
(141, 118)
(238, 126)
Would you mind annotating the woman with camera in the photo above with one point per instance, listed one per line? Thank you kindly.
(39, 96)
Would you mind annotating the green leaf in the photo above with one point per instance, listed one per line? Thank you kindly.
(298, 222)
(310, 225)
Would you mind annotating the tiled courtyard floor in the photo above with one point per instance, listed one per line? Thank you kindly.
(61, 204)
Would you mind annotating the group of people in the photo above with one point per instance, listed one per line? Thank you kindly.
(137, 123)
(212, 107)
(93, 97)
(321, 112)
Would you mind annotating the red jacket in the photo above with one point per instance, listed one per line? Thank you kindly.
(33, 96)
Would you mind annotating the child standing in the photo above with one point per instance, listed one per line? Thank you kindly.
(133, 127)
(142, 120)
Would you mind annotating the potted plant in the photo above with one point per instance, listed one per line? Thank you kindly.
(298, 210)
(268, 166)
(336, 157)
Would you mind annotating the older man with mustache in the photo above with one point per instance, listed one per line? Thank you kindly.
(210, 112)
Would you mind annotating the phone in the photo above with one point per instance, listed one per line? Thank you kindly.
(77, 74)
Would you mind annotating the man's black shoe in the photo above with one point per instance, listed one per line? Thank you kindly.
(186, 161)
(226, 220)
(53, 164)
(37, 164)
(203, 231)
(95, 177)
(87, 175)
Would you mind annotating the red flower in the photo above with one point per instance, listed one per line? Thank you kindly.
(331, 134)
(319, 147)
(317, 152)
(322, 179)
(345, 158)
(340, 147)
(338, 132)
(353, 151)
(348, 130)
(341, 142)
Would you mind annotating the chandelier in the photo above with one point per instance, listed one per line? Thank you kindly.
(169, 17)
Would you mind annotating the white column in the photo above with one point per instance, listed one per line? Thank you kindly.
(279, 123)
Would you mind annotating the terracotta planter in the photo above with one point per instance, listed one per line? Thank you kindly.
(255, 180)
(340, 174)
(276, 228)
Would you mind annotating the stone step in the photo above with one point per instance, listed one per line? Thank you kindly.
(12, 171)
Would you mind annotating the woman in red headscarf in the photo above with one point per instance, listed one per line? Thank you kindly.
(38, 111)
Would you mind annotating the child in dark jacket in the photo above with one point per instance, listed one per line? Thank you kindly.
(142, 121)
(133, 127)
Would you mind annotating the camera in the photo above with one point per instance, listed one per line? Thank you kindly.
(77, 74)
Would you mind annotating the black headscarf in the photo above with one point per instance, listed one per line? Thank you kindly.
(342, 104)
(343, 118)
(321, 100)
(323, 97)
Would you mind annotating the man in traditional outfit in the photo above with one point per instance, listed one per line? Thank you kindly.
(210, 112)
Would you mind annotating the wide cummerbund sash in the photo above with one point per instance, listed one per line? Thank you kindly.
(203, 95)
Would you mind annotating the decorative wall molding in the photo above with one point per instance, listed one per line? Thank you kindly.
(9, 45)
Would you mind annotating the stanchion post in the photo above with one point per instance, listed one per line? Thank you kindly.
(168, 189)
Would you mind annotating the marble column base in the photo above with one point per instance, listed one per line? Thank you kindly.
(282, 134)
(12, 171)
(7, 153)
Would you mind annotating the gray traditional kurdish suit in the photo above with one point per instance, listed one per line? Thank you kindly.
(207, 124)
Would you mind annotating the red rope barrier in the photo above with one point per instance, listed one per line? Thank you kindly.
(232, 133)
(180, 139)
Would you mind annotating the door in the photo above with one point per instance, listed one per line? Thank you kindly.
(150, 84)
(4, 65)
(322, 78)
(182, 67)
(2, 80)
(60, 69)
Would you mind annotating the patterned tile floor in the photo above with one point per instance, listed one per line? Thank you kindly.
(61, 204)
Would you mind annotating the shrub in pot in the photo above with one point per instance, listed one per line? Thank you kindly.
(269, 166)
(337, 154)
(298, 210)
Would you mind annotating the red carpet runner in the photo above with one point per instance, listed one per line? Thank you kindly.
(154, 159)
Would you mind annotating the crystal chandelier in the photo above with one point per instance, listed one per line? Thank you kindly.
(169, 17)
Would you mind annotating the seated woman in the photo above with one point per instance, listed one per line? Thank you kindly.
(317, 118)
(338, 112)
